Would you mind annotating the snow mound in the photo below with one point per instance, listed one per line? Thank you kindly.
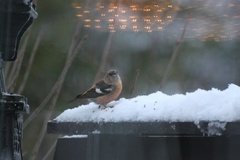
(201, 105)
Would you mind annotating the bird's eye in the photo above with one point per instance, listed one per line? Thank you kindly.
(112, 73)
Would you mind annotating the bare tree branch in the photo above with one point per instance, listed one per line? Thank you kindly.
(56, 85)
(30, 62)
(102, 65)
(15, 69)
(173, 57)
(55, 95)
(50, 150)
(135, 81)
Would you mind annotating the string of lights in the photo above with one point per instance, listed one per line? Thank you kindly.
(207, 19)
(145, 16)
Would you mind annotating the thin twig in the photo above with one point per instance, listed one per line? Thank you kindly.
(44, 127)
(50, 150)
(55, 97)
(75, 40)
(135, 81)
(7, 68)
(56, 85)
(30, 62)
(15, 70)
(173, 57)
(105, 55)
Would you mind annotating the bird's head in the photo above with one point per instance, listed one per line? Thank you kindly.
(112, 77)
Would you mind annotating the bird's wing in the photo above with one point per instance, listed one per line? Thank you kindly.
(99, 89)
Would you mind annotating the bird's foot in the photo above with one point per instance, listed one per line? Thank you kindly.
(101, 107)
(104, 107)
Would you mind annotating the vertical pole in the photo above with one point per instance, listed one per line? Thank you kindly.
(6, 123)
(2, 79)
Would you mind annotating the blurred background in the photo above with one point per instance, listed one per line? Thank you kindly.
(172, 46)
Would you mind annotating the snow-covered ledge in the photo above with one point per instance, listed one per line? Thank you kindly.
(200, 113)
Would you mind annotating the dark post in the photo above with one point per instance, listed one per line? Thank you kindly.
(15, 17)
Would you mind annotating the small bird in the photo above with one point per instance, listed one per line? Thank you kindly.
(105, 90)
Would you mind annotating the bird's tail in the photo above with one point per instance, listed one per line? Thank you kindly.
(76, 98)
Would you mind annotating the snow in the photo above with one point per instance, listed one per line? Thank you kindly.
(75, 136)
(201, 105)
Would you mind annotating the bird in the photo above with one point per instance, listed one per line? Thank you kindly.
(103, 91)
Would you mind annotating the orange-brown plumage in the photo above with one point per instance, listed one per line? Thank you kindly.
(105, 90)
